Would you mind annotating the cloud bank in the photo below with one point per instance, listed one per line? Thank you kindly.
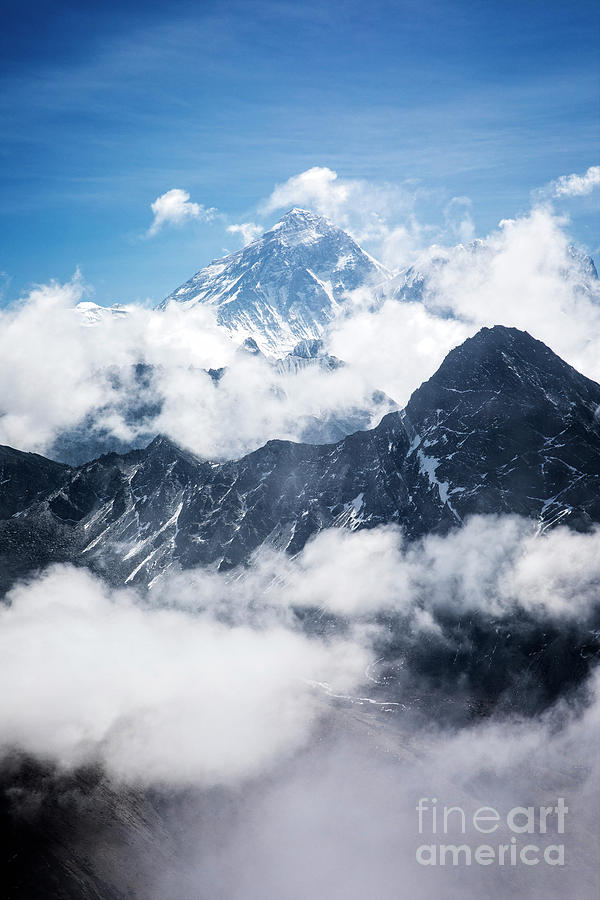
(213, 678)
(155, 695)
(91, 381)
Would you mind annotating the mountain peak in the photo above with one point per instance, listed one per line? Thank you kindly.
(298, 214)
(299, 217)
(162, 444)
(286, 286)
(513, 348)
(302, 225)
(494, 337)
(503, 373)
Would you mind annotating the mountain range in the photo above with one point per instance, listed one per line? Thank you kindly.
(503, 426)
(289, 284)
(275, 298)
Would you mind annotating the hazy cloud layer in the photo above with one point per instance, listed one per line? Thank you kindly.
(292, 713)
(341, 821)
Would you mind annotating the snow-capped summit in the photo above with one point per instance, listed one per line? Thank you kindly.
(287, 285)
(91, 313)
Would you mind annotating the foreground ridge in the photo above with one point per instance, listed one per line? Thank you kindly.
(503, 426)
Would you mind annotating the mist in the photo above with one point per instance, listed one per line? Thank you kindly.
(239, 667)
(268, 732)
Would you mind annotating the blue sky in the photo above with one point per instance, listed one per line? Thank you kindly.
(107, 106)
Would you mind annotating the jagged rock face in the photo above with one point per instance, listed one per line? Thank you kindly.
(24, 477)
(504, 426)
(286, 286)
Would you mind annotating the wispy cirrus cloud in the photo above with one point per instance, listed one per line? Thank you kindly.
(175, 207)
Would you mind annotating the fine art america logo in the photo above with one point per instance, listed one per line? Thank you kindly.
(516, 847)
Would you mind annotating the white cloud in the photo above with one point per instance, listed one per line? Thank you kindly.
(577, 185)
(54, 370)
(174, 208)
(213, 680)
(44, 341)
(380, 216)
(398, 345)
(156, 695)
(253, 403)
(318, 188)
(494, 564)
(459, 219)
(524, 274)
(248, 231)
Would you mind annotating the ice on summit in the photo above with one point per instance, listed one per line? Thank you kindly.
(286, 286)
